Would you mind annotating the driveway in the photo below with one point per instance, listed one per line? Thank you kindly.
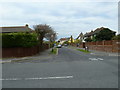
(69, 69)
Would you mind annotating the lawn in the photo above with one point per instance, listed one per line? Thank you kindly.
(54, 51)
(83, 50)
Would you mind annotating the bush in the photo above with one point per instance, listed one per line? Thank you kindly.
(19, 40)
(116, 37)
(105, 34)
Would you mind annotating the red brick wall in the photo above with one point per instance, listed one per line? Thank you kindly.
(106, 46)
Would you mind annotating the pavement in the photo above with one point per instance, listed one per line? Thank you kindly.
(69, 69)
(94, 52)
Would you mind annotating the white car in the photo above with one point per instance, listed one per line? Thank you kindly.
(59, 46)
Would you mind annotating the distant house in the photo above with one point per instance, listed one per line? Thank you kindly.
(93, 33)
(62, 40)
(16, 29)
(71, 39)
(80, 37)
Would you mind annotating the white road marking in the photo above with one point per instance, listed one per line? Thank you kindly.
(40, 78)
(63, 77)
(93, 59)
(11, 79)
(96, 59)
(100, 59)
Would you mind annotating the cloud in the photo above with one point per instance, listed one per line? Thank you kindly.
(59, 1)
(67, 18)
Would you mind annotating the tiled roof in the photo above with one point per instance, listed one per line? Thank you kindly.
(89, 34)
(95, 32)
(16, 29)
(80, 35)
(63, 39)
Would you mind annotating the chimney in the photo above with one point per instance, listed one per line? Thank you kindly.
(26, 25)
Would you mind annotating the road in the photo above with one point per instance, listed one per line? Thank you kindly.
(69, 69)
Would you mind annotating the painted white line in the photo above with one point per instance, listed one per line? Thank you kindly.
(40, 78)
(63, 77)
(96, 59)
(93, 59)
(11, 79)
(100, 59)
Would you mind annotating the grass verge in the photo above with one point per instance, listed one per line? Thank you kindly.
(54, 51)
(83, 51)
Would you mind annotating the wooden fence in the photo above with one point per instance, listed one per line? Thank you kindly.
(106, 46)
(22, 52)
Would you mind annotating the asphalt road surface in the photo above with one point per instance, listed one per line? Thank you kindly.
(69, 69)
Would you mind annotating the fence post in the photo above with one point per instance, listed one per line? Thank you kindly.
(103, 42)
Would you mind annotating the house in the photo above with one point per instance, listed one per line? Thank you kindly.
(92, 34)
(71, 39)
(16, 29)
(89, 34)
(62, 40)
(80, 37)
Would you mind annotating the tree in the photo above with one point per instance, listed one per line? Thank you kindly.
(51, 36)
(117, 37)
(71, 39)
(42, 31)
(77, 41)
(105, 34)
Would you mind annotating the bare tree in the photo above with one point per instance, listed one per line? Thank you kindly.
(44, 31)
(51, 36)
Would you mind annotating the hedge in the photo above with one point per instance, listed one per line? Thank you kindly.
(19, 40)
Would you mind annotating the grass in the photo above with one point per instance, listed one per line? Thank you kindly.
(83, 51)
(54, 51)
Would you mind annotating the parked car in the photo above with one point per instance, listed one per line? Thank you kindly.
(59, 46)
(65, 44)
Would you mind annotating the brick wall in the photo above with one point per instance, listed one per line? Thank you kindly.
(106, 46)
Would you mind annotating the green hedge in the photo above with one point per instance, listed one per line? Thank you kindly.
(19, 40)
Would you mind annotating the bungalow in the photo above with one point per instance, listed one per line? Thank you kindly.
(93, 33)
(62, 40)
(16, 29)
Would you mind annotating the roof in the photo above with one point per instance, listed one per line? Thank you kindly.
(95, 32)
(80, 35)
(16, 29)
(89, 34)
(63, 39)
(100, 29)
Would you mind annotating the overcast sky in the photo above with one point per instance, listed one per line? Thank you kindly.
(67, 18)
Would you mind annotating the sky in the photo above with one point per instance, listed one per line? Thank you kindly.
(65, 17)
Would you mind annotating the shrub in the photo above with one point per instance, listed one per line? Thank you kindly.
(116, 37)
(105, 34)
(19, 40)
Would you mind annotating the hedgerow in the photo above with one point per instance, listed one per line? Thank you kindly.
(19, 40)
